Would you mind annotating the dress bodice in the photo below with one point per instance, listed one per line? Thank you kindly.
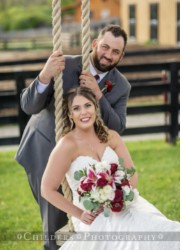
(82, 162)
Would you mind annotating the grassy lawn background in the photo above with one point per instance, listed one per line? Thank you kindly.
(157, 164)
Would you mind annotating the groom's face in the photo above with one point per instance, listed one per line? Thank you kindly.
(107, 51)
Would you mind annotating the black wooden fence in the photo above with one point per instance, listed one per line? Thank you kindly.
(141, 86)
(152, 86)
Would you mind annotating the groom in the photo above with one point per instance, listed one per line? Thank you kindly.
(111, 89)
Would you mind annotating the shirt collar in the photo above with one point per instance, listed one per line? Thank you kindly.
(93, 72)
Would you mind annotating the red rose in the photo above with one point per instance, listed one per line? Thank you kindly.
(86, 186)
(108, 85)
(117, 203)
(118, 195)
(102, 182)
(114, 168)
(116, 206)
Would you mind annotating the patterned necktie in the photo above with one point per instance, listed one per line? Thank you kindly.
(97, 77)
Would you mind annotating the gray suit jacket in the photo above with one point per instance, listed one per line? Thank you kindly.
(38, 138)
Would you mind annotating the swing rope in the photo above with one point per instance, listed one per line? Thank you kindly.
(58, 85)
(85, 24)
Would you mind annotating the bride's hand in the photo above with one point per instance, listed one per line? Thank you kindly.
(88, 217)
(99, 210)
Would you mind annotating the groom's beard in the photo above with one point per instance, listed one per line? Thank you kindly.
(98, 65)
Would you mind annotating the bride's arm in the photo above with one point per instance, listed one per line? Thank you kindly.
(57, 166)
(121, 150)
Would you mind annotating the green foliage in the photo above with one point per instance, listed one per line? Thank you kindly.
(65, 2)
(29, 15)
(79, 174)
(156, 162)
(158, 167)
(106, 211)
(88, 205)
(21, 18)
(18, 209)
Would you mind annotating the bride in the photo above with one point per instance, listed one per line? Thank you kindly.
(85, 141)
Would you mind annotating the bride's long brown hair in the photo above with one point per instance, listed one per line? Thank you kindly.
(68, 125)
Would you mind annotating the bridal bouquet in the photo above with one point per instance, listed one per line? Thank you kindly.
(105, 184)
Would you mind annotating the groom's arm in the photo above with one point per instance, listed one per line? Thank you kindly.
(114, 106)
(31, 101)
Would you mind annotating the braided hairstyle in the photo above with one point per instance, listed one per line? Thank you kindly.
(68, 125)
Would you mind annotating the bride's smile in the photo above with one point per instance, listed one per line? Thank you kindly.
(83, 112)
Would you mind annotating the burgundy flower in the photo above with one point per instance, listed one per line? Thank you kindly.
(116, 206)
(118, 195)
(102, 182)
(117, 203)
(86, 186)
(108, 86)
(114, 168)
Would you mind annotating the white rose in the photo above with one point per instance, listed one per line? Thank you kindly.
(101, 166)
(119, 175)
(95, 195)
(107, 193)
(126, 190)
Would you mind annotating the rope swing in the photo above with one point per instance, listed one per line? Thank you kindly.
(58, 85)
(85, 24)
(58, 93)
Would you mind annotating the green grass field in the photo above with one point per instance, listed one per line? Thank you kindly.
(157, 164)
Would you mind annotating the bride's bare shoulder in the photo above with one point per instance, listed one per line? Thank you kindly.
(66, 144)
(113, 134)
(114, 138)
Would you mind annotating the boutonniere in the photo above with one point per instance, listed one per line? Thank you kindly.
(108, 86)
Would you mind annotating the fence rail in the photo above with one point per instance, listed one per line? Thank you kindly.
(141, 86)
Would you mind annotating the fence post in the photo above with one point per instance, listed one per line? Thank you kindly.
(22, 117)
(174, 102)
(164, 79)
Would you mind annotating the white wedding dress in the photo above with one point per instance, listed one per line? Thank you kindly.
(140, 227)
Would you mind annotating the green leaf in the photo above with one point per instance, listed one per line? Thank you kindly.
(131, 171)
(106, 211)
(121, 161)
(96, 206)
(124, 195)
(130, 196)
(77, 175)
(88, 205)
(121, 168)
(84, 173)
